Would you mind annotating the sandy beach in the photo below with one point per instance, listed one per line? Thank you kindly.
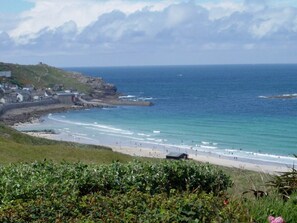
(138, 150)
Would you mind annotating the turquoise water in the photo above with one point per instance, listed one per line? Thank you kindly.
(221, 110)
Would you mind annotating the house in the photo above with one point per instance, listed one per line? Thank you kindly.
(2, 91)
(19, 97)
(36, 98)
(66, 98)
(29, 87)
(13, 87)
(26, 95)
(177, 156)
(2, 101)
(5, 73)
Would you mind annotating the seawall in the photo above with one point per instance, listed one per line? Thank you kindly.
(7, 107)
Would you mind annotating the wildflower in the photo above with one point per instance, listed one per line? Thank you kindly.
(226, 202)
(272, 219)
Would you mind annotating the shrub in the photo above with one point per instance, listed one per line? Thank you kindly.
(286, 183)
(134, 192)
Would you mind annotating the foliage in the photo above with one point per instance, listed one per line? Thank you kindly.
(133, 192)
(286, 183)
(133, 206)
(260, 209)
(17, 147)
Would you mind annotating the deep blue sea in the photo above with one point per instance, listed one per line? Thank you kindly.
(220, 109)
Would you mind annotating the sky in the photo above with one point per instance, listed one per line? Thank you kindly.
(148, 32)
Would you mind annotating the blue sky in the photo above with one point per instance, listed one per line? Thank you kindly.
(15, 6)
(143, 32)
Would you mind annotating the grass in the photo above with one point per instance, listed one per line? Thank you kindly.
(42, 76)
(244, 180)
(17, 147)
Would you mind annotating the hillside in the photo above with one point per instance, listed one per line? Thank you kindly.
(17, 147)
(44, 76)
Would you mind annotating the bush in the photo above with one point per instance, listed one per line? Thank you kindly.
(133, 206)
(286, 183)
(134, 192)
(260, 209)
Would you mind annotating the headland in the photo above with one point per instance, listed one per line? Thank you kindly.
(30, 91)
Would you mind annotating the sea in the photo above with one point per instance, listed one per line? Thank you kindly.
(220, 110)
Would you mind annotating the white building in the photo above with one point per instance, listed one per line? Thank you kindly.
(20, 97)
(2, 101)
(5, 73)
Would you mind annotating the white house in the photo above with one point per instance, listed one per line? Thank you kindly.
(20, 97)
(2, 101)
(14, 87)
(5, 73)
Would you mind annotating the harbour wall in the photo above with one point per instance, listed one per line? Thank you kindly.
(6, 107)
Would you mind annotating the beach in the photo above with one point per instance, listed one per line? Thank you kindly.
(218, 114)
(137, 150)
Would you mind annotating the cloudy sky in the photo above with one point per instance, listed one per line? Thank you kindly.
(148, 32)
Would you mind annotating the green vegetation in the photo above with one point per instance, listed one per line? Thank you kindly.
(17, 147)
(82, 183)
(42, 76)
(134, 192)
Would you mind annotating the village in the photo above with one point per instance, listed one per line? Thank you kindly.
(12, 93)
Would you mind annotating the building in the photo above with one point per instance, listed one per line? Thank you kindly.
(5, 73)
(29, 87)
(177, 156)
(19, 97)
(66, 98)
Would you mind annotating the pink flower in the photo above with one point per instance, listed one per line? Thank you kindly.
(272, 219)
(278, 220)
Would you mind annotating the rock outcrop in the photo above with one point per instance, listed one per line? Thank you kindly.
(99, 88)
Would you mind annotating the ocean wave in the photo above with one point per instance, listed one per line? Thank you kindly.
(142, 134)
(94, 126)
(127, 96)
(208, 147)
(261, 96)
(281, 96)
(231, 150)
(156, 131)
(205, 143)
(146, 99)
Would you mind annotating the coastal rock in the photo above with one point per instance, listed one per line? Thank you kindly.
(282, 96)
(99, 87)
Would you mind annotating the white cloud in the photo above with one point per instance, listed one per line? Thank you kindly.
(54, 13)
(223, 9)
(270, 22)
(90, 28)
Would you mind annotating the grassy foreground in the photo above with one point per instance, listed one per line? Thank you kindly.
(16, 147)
(75, 185)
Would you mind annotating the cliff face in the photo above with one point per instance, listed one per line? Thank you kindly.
(98, 87)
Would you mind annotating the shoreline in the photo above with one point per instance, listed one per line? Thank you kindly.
(139, 150)
(27, 114)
